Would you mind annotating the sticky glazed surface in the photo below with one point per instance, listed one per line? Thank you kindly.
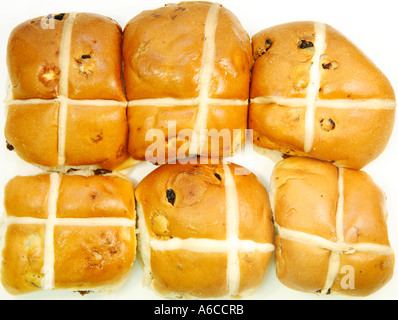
(191, 216)
(63, 71)
(68, 232)
(376, 40)
(322, 96)
(329, 221)
(194, 57)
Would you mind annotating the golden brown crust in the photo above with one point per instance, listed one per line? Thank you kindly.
(35, 203)
(342, 206)
(32, 130)
(95, 66)
(299, 266)
(96, 131)
(91, 257)
(182, 272)
(175, 40)
(278, 59)
(144, 145)
(22, 263)
(95, 135)
(172, 48)
(32, 75)
(278, 128)
(196, 188)
(369, 81)
(378, 268)
(89, 253)
(252, 267)
(95, 61)
(284, 56)
(89, 197)
(192, 202)
(371, 129)
(308, 183)
(362, 195)
(233, 61)
(141, 119)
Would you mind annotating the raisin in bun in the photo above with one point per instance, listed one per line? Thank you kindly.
(69, 232)
(331, 230)
(204, 231)
(314, 93)
(67, 106)
(188, 64)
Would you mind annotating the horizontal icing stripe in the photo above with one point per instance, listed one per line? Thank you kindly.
(86, 102)
(78, 222)
(171, 102)
(209, 245)
(342, 247)
(384, 104)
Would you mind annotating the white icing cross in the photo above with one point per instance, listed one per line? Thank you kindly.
(232, 245)
(312, 101)
(203, 100)
(52, 221)
(336, 247)
(63, 99)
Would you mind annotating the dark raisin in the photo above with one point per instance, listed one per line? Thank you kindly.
(86, 56)
(305, 44)
(218, 176)
(84, 292)
(59, 16)
(326, 66)
(263, 50)
(328, 292)
(330, 66)
(268, 44)
(171, 196)
(99, 172)
(320, 291)
(9, 146)
(71, 170)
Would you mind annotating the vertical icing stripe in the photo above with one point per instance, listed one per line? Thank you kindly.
(206, 71)
(232, 221)
(64, 61)
(314, 85)
(64, 54)
(333, 270)
(340, 207)
(49, 258)
(334, 262)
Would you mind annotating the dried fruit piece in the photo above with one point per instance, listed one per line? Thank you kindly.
(59, 16)
(171, 196)
(264, 49)
(304, 44)
(330, 66)
(160, 226)
(9, 146)
(99, 172)
(327, 125)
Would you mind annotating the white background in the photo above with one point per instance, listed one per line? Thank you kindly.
(371, 25)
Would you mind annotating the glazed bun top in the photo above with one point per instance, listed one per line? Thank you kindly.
(174, 51)
(77, 55)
